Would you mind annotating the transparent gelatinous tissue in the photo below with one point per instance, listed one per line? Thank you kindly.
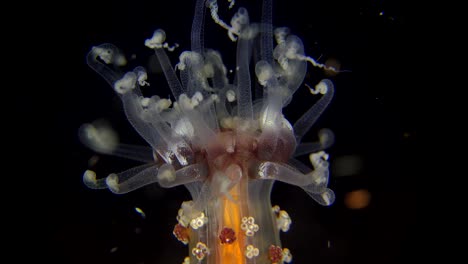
(224, 141)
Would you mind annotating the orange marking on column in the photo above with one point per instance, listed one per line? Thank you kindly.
(232, 253)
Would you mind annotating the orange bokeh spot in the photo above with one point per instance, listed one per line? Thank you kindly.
(357, 199)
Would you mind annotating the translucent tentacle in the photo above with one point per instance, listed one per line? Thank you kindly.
(197, 27)
(292, 69)
(123, 182)
(326, 139)
(271, 119)
(134, 152)
(156, 42)
(305, 122)
(204, 133)
(281, 172)
(176, 144)
(168, 177)
(266, 47)
(314, 182)
(134, 111)
(296, 69)
(191, 66)
(299, 165)
(194, 188)
(244, 96)
(171, 77)
(207, 109)
(325, 198)
(205, 194)
(109, 54)
(90, 180)
(102, 139)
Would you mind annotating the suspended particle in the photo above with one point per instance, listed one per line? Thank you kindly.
(138, 210)
(114, 249)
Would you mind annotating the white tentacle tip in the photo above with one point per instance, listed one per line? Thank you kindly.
(89, 177)
(328, 197)
(112, 182)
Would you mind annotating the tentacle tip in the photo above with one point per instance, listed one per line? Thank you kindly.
(127, 83)
(328, 197)
(89, 178)
(157, 40)
(112, 182)
(319, 160)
